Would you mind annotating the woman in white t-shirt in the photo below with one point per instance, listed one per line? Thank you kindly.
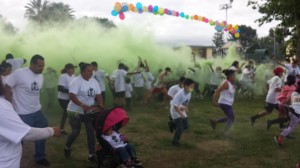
(85, 96)
(67, 75)
(226, 98)
(294, 114)
(274, 86)
(247, 80)
(13, 131)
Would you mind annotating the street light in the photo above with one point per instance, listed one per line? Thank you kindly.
(226, 7)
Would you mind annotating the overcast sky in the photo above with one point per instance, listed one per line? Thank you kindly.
(165, 28)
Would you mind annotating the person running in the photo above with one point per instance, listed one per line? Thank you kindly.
(283, 98)
(247, 79)
(23, 90)
(67, 75)
(226, 98)
(6, 72)
(215, 78)
(100, 76)
(179, 108)
(85, 95)
(160, 86)
(139, 82)
(128, 93)
(291, 68)
(16, 63)
(149, 79)
(171, 93)
(274, 86)
(294, 113)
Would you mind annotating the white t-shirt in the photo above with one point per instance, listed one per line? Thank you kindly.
(114, 140)
(139, 80)
(26, 87)
(295, 102)
(273, 83)
(128, 90)
(149, 80)
(85, 92)
(5, 79)
(12, 131)
(119, 80)
(173, 90)
(15, 63)
(181, 99)
(233, 68)
(100, 76)
(246, 75)
(50, 80)
(65, 80)
(290, 70)
(227, 95)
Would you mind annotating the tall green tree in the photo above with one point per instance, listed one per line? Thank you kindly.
(105, 22)
(247, 38)
(36, 10)
(59, 12)
(286, 12)
(6, 26)
(218, 40)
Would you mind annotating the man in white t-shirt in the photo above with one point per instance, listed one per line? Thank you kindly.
(291, 69)
(100, 76)
(16, 63)
(23, 90)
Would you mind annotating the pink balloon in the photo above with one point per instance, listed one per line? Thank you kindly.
(150, 8)
(166, 11)
(177, 14)
(121, 16)
(233, 31)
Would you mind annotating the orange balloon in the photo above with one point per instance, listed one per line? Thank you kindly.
(131, 7)
(118, 7)
(196, 17)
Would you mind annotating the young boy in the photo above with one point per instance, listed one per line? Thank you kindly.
(125, 150)
(179, 108)
(128, 93)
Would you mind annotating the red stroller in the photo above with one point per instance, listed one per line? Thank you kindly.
(112, 118)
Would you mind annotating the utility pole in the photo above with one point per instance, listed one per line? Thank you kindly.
(226, 7)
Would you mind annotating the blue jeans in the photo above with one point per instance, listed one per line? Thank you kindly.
(180, 125)
(229, 119)
(126, 152)
(37, 120)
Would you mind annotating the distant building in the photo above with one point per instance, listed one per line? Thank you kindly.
(205, 52)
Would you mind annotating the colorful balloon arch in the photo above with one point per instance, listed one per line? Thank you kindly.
(121, 8)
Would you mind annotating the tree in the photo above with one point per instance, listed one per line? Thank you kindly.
(59, 12)
(286, 12)
(36, 10)
(102, 21)
(218, 41)
(6, 26)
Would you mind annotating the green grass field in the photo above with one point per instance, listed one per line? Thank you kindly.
(250, 147)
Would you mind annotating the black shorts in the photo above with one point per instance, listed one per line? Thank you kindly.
(120, 94)
(269, 107)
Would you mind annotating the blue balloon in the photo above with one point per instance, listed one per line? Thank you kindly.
(125, 8)
(182, 14)
(114, 13)
(170, 12)
(239, 30)
(155, 9)
(139, 5)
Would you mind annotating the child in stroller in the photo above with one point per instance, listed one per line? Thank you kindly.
(114, 148)
(122, 148)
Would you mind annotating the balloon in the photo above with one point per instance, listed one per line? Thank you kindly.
(161, 11)
(237, 35)
(125, 8)
(166, 11)
(182, 14)
(121, 16)
(155, 9)
(196, 17)
(226, 29)
(187, 16)
(150, 8)
(131, 7)
(222, 24)
(139, 6)
(145, 9)
(140, 10)
(114, 13)
(239, 30)
(177, 14)
(192, 17)
(236, 27)
(200, 18)
(233, 31)
(118, 7)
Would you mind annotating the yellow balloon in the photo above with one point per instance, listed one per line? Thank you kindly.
(135, 9)
(161, 11)
(237, 35)
(192, 17)
(145, 9)
(236, 27)
(118, 7)
(200, 18)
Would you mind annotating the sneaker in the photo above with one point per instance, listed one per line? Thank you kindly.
(278, 141)
(43, 162)
(268, 124)
(252, 120)
(213, 123)
(176, 144)
(92, 159)
(126, 165)
(63, 132)
(67, 152)
(136, 162)
(171, 128)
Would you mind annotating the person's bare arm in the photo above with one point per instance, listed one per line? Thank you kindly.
(100, 101)
(74, 99)
(224, 86)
